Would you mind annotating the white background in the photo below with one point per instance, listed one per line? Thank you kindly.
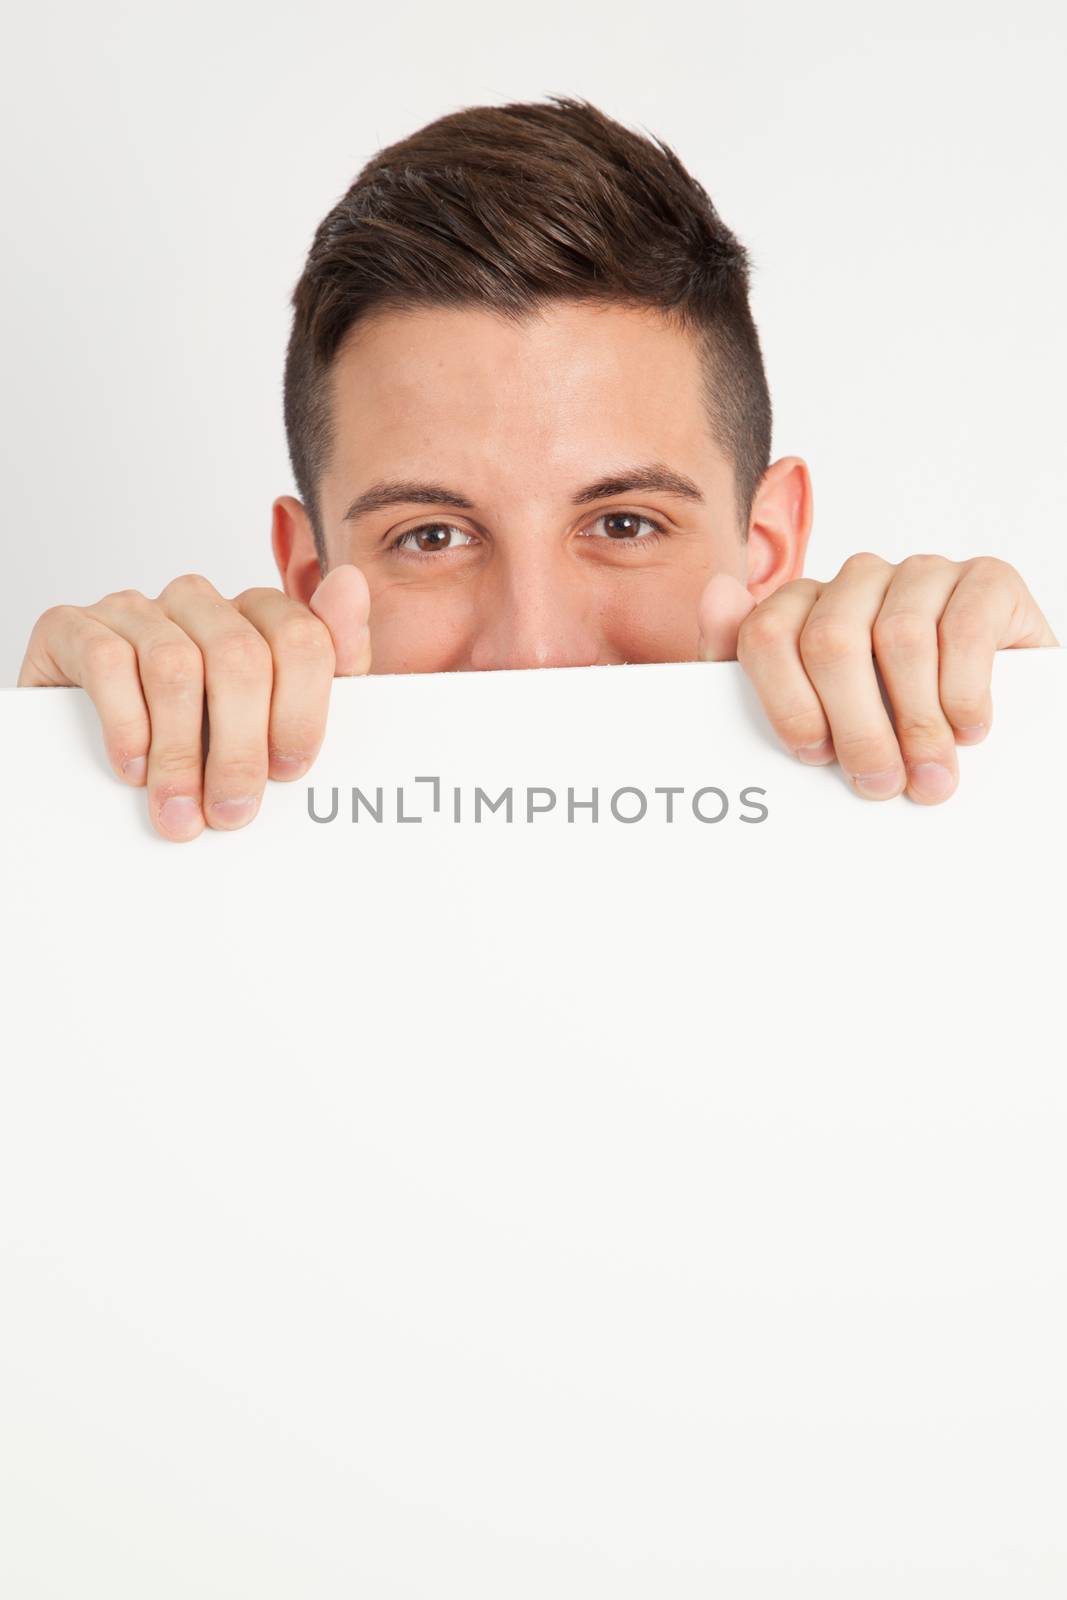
(896, 171)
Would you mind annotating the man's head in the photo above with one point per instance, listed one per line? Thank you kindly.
(504, 317)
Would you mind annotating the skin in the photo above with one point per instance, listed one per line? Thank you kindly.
(517, 420)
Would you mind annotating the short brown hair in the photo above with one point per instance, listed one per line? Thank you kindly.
(508, 207)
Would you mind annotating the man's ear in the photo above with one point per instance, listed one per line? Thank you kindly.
(293, 543)
(778, 527)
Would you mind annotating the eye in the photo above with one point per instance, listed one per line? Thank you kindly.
(625, 529)
(433, 536)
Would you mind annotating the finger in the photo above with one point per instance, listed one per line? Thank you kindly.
(990, 609)
(238, 681)
(342, 601)
(69, 646)
(835, 647)
(302, 647)
(906, 650)
(172, 679)
(724, 605)
(767, 648)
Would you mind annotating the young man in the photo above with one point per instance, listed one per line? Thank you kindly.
(529, 425)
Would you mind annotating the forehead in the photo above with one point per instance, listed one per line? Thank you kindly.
(469, 389)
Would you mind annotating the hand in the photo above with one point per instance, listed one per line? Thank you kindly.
(264, 661)
(931, 625)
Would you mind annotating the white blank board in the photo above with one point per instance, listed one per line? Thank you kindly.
(544, 1207)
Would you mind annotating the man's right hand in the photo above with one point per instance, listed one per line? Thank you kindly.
(263, 663)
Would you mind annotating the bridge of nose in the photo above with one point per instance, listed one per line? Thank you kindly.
(537, 608)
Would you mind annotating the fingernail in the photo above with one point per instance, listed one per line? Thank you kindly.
(234, 811)
(135, 768)
(880, 785)
(816, 755)
(288, 765)
(180, 815)
(972, 730)
(932, 781)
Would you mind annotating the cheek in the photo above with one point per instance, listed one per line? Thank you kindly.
(652, 616)
(417, 630)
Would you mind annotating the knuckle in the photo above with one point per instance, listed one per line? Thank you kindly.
(964, 710)
(864, 561)
(866, 752)
(925, 730)
(173, 662)
(992, 568)
(801, 727)
(189, 583)
(295, 736)
(61, 616)
(761, 630)
(826, 641)
(240, 773)
(245, 654)
(129, 597)
(104, 655)
(902, 633)
(306, 638)
(924, 562)
(129, 737)
(175, 761)
(963, 624)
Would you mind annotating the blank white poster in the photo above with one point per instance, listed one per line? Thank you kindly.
(498, 1197)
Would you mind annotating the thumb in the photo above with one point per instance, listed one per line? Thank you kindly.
(342, 601)
(724, 605)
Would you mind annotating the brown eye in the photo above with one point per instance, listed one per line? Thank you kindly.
(624, 527)
(432, 537)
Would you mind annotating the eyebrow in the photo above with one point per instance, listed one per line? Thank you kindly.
(402, 491)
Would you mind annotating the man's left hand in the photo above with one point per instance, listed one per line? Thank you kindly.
(931, 625)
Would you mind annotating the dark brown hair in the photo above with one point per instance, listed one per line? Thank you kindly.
(509, 207)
